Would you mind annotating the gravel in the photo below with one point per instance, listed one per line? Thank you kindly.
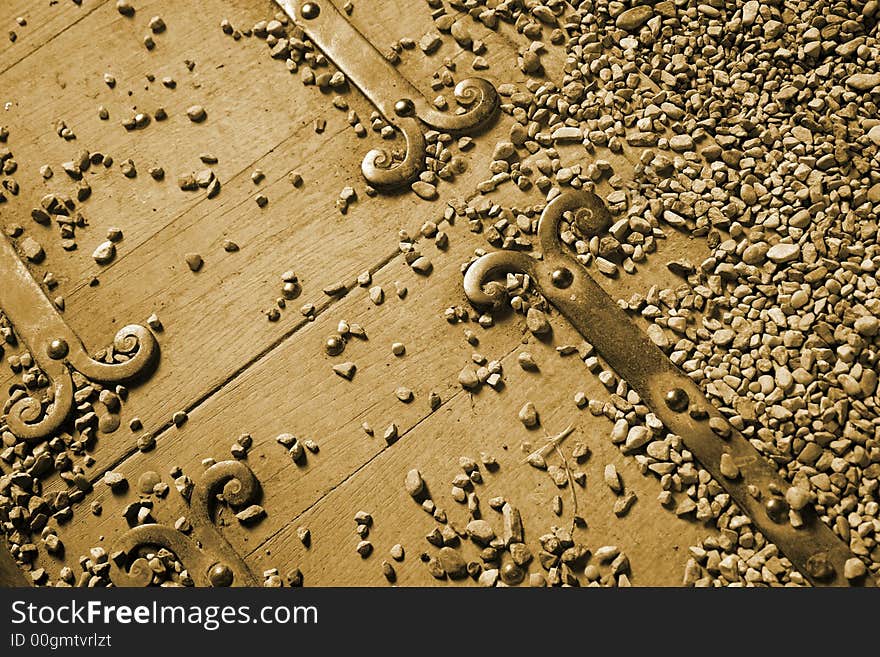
(623, 504)
(528, 415)
(480, 532)
(453, 563)
(489, 577)
(251, 515)
(537, 323)
(194, 261)
(414, 484)
(756, 134)
(196, 113)
(125, 8)
(104, 253)
(345, 370)
(612, 478)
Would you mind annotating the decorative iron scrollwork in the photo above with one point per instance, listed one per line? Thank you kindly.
(207, 555)
(57, 351)
(399, 102)
(676, 399)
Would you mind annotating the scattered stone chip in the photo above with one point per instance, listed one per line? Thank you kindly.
(854, 569)
(391, 433)
(480, 532)
(125, 8)
(452, 562)
(612, 478)
(414, 483)
(537, 323)
(728, 466)
(622, 505)
(528, 415)
(194, 261)
(104, 253)
(196, 113)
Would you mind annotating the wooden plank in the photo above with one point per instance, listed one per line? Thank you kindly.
(319, 243)
(215, 316)
(70, 69)
(654, 540)
(216, 299)
(44, 22)
(292, 388)
(67, 83)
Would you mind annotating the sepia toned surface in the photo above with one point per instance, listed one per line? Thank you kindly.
(744, 253)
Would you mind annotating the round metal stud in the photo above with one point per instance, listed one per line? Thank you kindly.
(562, 277)
(334, 345)
(57, 349)
(220, 575)
(777, 509)
(404, 107)
(511, 574)
(310, 10)
(290, 290)
(677, 399)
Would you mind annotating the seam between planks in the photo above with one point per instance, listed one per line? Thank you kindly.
(264, 353)
(270, 348)
(197, 204)
(362, 467)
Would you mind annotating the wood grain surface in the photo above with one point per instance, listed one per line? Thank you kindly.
(236, 372)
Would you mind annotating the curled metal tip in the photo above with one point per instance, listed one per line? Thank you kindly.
(132, 338)
(479, 284)
(234, 478)
(30, 421)
(139, 573)
(209, 558)
(383, 173)
(481, 99)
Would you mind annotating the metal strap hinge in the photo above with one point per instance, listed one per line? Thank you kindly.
(206, 554)
(398, 101)
(673, 397)
(57, 351)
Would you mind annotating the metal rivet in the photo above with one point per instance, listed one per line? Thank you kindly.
(777, 509)
(562, 277)
(57, 349)
(220, 575)
(310, 10)
(677, 399)
(404, 107)
(334, 345)
(819, 566)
